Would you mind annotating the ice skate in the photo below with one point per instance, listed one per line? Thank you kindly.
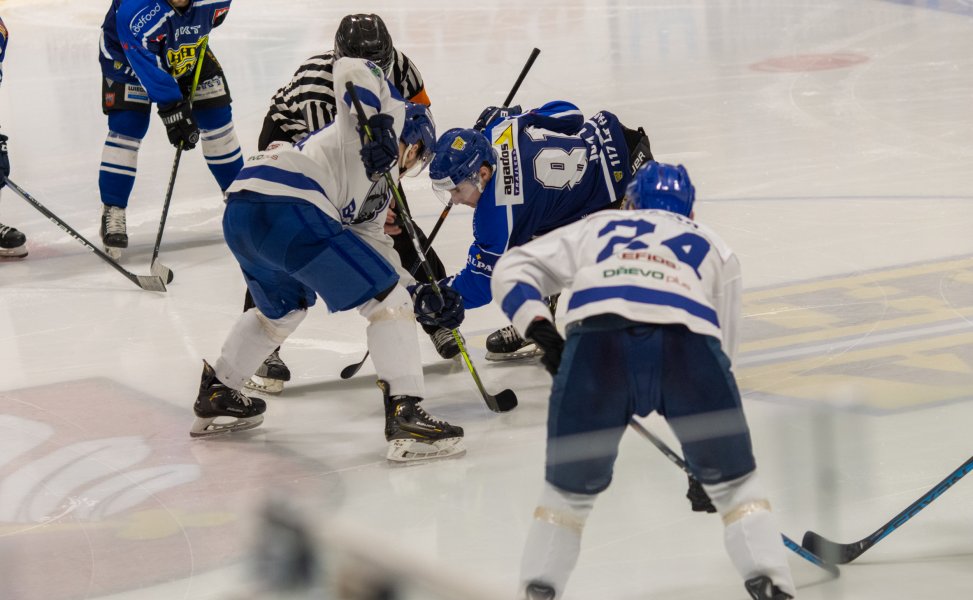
(414, 435)
(508, 344)
(114, 234)
(271, 375)
(13, 244)
(762, 588)
(539, 591)
(215, 400)
(445, 343)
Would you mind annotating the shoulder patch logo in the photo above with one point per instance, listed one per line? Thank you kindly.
(618, 176)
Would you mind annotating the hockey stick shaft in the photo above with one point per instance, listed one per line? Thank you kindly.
(845, 553)
(157, 267)
(500, 403)
(679, 462)
(146, 282)
(506, 103)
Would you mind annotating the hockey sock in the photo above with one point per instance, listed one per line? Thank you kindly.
(119, 160)
(752, 536)
(554, 539)
(252, 338)
(394, 342)
(221, 148)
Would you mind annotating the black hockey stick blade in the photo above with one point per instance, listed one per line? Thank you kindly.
(811, 556)
(833, 552)
(503, 401)
(350, 371)
(845, 553)
(151, 283)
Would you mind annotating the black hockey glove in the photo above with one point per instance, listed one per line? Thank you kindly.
(447, 312)
(699, 498)
(545, 335)
(491, 113)
(381, 152)
(180, 125)
(4, 161)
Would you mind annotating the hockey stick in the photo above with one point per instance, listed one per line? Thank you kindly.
(506, 103)
(157, 267)
(677, 460)
(152, 283)
(349, 371)
(503, 401)
(845, 553)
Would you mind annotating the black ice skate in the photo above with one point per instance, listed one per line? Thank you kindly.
(507, 344)
(539, 591)
(445, 343)
(215, 400)
(114, 234)
(762, 588)
(414, 435)
(13, 244)
(271, 375)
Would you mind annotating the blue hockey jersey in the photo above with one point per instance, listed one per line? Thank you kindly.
(553, 168)
(151, 43)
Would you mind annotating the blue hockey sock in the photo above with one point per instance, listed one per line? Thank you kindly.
(116, 176)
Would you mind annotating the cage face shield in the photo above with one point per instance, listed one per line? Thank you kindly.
(465, 192)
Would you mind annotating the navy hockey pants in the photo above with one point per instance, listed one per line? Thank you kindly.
(613, 368)
(289, 250)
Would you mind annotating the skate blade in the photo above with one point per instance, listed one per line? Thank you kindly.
(204, 427)
(522, 354)
(402, 451)
(18, 252)
(114, 253)
(265, 385)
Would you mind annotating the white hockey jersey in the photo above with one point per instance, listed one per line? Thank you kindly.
(650, 266)
(325, 168)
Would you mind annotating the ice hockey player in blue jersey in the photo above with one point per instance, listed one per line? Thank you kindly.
(13, 243)
(327, 200)
(653, 324)
(149, 50)
(525, 175)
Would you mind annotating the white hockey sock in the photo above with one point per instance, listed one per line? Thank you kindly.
(554, 540)
(752, 536)
(394, 343)
(251, 340)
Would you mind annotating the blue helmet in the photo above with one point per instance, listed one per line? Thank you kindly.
(664, 186)
(419, 128)
(458, 156)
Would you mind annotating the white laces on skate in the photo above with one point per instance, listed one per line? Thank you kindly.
(240, 397)
(115, 222)
(509, 334)
(4, 229)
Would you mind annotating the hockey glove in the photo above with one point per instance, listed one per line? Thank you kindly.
(180, 125)
(545, 335)
(4, 161)
(492, 113)
(447, 312)
(382, 151)
(699, 498)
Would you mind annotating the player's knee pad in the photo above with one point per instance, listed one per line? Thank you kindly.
(564, 509)
(396, 305)
(738, 498)
(279, 329)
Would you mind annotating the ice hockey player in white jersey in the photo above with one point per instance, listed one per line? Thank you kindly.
(325, 199)
(307, 103)
(652, 325)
